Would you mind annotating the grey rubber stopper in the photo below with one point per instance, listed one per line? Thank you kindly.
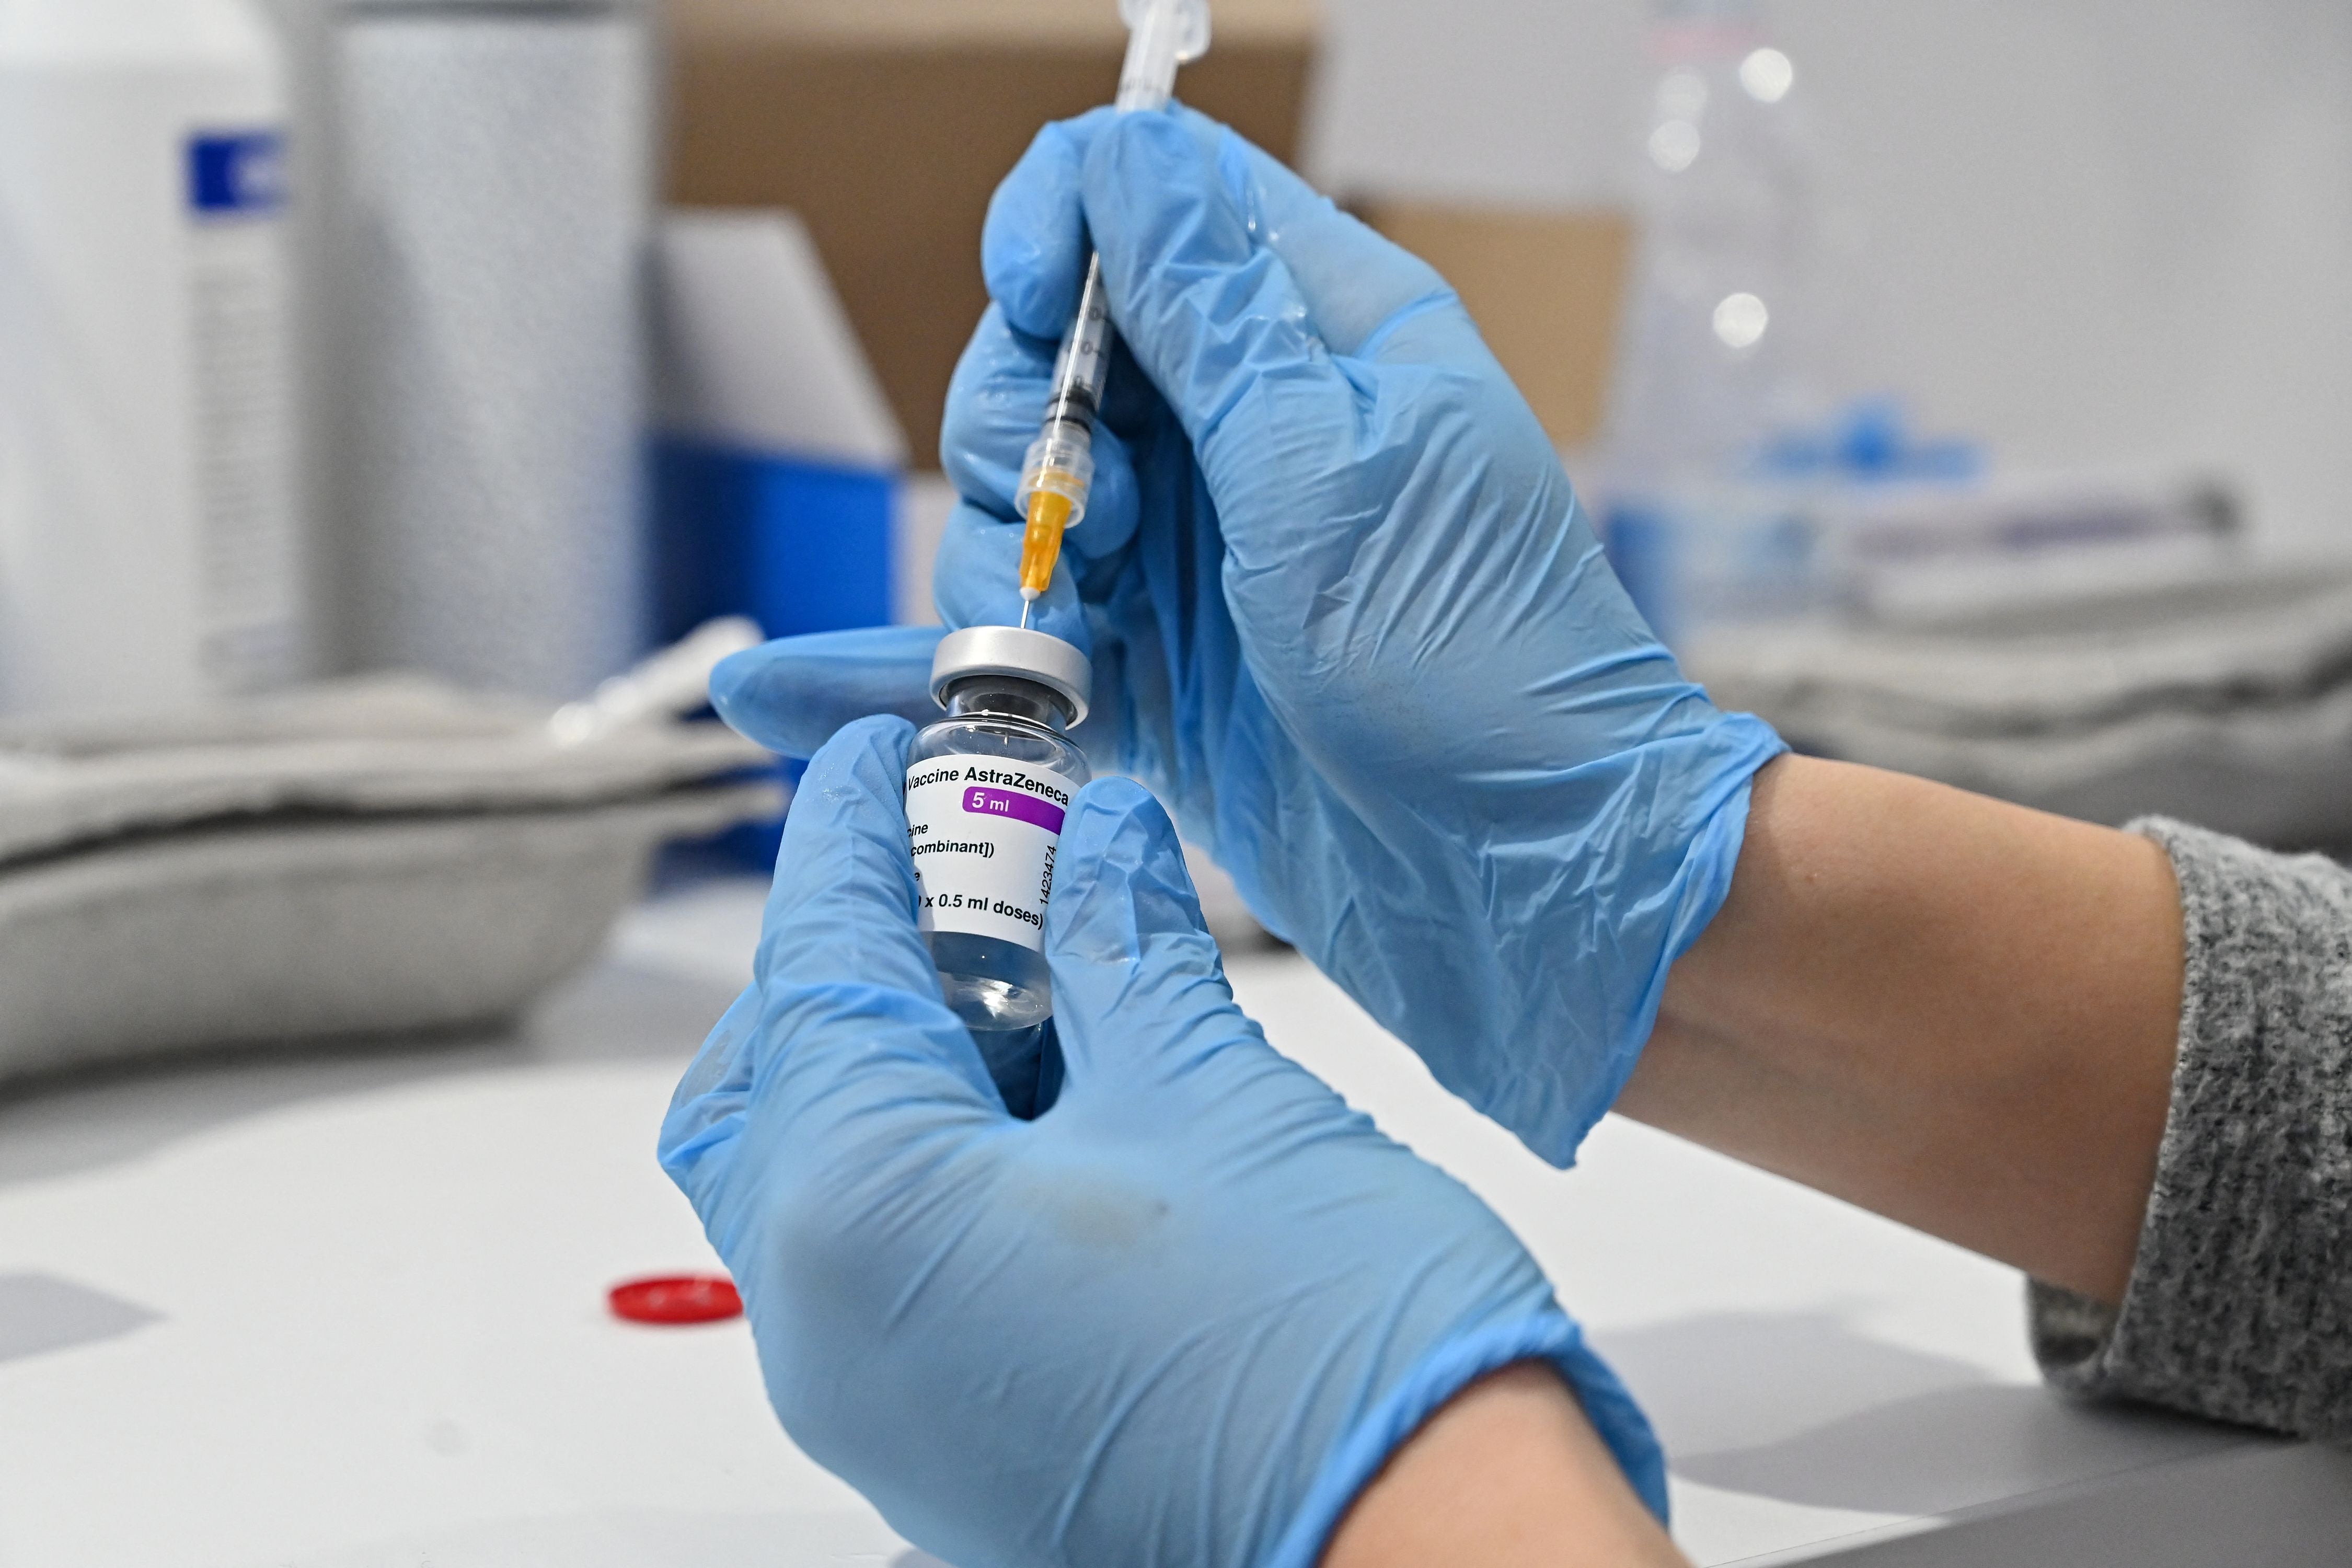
(1010, 650)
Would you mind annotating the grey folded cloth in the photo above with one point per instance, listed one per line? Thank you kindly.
(385, 743)
(2226, 702)
(352, 858)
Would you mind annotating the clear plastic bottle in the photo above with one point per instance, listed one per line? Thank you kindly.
(986, 790)
(1722, 334)
(1727, 333)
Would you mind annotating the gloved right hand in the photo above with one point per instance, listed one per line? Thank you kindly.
(1183, 1316)
(1346, 617)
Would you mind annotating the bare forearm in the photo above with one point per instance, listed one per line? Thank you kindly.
(1508, 1475)
(1955, 1011)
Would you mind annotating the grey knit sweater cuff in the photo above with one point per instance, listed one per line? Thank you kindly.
(2240, 1298)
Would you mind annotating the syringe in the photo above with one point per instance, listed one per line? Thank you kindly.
(1060, 469)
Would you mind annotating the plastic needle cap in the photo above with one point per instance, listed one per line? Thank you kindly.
(676, 1298)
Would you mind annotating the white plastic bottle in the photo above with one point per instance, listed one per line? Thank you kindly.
(149, 546)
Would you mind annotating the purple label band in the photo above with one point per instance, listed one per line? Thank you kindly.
(1025, 808)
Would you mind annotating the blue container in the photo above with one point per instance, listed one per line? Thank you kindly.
(796, 545)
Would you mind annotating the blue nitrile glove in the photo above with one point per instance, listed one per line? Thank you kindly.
(1345, 616)
(1179, 1319)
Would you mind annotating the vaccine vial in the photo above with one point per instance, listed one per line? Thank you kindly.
(987, 789)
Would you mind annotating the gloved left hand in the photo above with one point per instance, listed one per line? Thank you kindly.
(1345, 614)
(1181, 1318)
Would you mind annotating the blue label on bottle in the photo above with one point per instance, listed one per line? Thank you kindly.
(236, 174)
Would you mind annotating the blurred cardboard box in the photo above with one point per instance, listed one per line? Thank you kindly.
(1544, 287)
(887, 123)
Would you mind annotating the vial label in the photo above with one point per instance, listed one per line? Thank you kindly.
(982, 831)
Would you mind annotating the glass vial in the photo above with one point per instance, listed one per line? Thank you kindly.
(987, 789)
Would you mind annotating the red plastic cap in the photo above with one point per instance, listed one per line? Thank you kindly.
(676, 1298)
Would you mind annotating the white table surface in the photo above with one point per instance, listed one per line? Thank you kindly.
(328, 1312)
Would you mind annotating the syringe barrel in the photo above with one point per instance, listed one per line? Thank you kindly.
(1083, 363)
(1162, 35)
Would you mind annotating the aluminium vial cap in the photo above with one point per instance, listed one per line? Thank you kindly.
(1015, 651)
